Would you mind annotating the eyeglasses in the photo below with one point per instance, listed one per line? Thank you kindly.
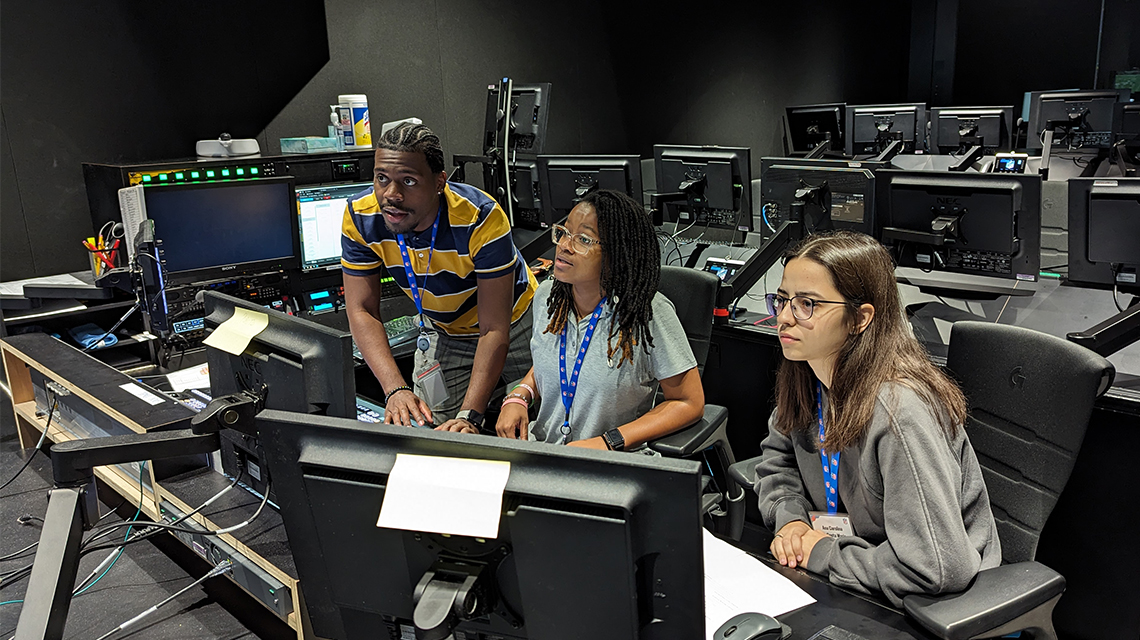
(580, 244)
(802, 306)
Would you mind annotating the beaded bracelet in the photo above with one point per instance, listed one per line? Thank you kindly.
(393, 392)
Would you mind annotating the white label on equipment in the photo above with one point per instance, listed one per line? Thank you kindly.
(141, 394)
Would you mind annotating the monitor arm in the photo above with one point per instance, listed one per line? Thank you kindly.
(453, 590)
(1114, 334)
(657, 202)
(755, 267)
(820, 148)
(892, 150)
(971, 156)
(1119, 157)
(235, 411)
(73, 508)
(819, 197)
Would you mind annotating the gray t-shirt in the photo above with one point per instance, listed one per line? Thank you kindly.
(607, 396)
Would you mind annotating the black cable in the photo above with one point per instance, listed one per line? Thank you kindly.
(51, 412)
(134, 307)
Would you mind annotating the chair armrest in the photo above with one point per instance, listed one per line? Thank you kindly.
(694, 437)
(744, 472)
(995, 597)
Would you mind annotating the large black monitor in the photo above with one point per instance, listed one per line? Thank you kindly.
(529, 111)
(320, 209)
(526, 196)
(565, 179)
(1080, 119)
(298, 365)
(957, 129)
(809, 125)
(872, 128)
(591, 544)
(821, 194)
(717, 185)
(983, 224)
(1104, 232)
(220, 229)
(1129, 125)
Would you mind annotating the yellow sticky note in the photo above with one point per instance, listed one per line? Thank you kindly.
(457, 496)
(233, 335)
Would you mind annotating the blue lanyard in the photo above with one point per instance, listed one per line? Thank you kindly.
(568, 386)
(408, 265)
(830, 467)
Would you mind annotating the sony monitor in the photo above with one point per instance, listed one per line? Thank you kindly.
(983, 224)
(214, 230)
(1079, 119)
(821, 194)
(320, 210)
(295, 364)
(1104, 232)
(872, 128)
(565, 179)
(810, 125)
(956, 129)
(716, 186)
(589, 544)
(525, 118)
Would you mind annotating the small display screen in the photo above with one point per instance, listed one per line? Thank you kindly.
(1010, 165)
(723, 269)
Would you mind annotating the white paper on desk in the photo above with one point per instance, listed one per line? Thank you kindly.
(233, 335)
(190, 378)
(457, 496)
(16, 287)
(736, 583)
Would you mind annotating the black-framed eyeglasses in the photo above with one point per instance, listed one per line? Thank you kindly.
(802, 306)
(579, 243)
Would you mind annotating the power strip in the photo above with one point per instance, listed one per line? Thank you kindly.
(257, 581)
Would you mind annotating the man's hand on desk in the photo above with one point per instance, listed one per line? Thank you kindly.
(793, 543)
(457, 425)
(403, 407)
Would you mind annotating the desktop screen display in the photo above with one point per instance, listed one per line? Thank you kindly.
(565, 179)
(809, 125)
(321, 212)
(218, 229)
(872, 128)
(716, 183)
(786, 184)
(1104, 232)
(956, 129)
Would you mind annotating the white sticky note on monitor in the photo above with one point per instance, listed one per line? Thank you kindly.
(456, 496)
(233, 335)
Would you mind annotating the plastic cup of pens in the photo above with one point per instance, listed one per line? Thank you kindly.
(102, 255)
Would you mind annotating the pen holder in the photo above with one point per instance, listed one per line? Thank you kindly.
(102, 260)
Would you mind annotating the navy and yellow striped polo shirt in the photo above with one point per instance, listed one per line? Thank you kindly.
(473, 241)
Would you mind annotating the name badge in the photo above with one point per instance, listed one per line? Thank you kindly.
(835, 525)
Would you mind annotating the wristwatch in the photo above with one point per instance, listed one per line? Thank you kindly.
(615, 441)
(472, 416)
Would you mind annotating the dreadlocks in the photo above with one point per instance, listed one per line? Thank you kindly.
(631, 267)
(414, 138)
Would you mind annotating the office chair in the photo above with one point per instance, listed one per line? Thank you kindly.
(1031, 396)
(693, 294)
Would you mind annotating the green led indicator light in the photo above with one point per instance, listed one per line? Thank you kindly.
(179, 176)
(146, 178)
(210, 174)
(225, 173)
(163, 177)
(253, 170)
(195, 174)
(241, 172)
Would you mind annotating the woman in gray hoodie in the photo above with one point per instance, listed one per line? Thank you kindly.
(867, 476)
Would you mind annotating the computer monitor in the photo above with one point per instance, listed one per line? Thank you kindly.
(809, 125)
(984, 224)
(872, 128)
(526, 196)
(822, 194)
(320, 210)
(591, 544)
(529, 112)
(220, 229)
(1080, 119)
(565, 179)
(957, 129)
(297, 364)
(1129, 125)
(1104, 232)
(717, 183)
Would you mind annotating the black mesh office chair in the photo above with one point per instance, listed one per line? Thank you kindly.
(1031, 396)
(693, 293)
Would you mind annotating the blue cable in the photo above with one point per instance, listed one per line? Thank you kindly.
(10, 602)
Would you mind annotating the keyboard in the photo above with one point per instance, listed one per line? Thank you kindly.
(399, 330)
(367, 411)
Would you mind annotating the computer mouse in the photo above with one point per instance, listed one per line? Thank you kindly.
(751, 626)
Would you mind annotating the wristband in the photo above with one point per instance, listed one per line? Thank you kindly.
(520, 397)
(515, 400)
(527, 387)
(393, 392)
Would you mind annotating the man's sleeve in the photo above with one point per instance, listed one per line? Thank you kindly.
(356, 257)
(491, 245)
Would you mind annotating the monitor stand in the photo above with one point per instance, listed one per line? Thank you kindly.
(962, 285)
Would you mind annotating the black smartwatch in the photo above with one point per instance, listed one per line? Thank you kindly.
(472, 416)
(615, 441)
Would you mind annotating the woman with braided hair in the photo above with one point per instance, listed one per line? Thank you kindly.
(604, 338)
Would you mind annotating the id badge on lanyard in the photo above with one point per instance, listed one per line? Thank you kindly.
(570, 385)
(831, 522)
(424, 341)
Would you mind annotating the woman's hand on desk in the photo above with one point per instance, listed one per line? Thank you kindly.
(793, 543)
(513, 421)
(403, 407)
(589, 443)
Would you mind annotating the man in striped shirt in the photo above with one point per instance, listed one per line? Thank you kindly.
(449, 244)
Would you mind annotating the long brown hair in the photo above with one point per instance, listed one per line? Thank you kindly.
(885, 351)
